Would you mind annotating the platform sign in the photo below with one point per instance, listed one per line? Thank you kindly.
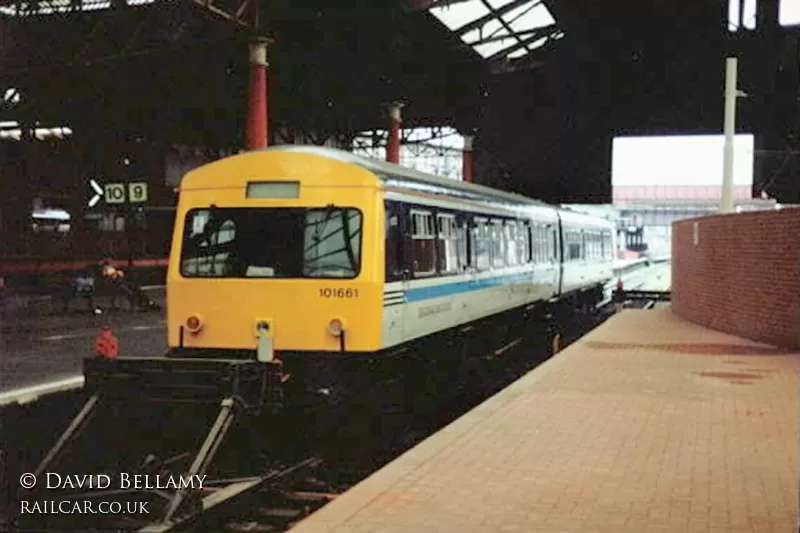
(115, 193)
(137, 192)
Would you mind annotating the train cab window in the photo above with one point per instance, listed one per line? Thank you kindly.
(511, 243)
(254, 243)
(481, 239)
(497, 244)
(447, 244)
(423, 246)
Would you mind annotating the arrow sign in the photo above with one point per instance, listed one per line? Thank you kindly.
(98, 193)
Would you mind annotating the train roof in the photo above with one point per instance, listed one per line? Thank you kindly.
(410, 178)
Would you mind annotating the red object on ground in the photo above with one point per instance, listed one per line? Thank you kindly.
(106, 344)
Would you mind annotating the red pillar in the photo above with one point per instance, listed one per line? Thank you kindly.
(393, 147)
(466, 168)
(257, 101)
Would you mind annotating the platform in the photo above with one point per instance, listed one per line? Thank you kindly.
(647, 424)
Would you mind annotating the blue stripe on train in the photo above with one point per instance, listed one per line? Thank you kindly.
(448, 289)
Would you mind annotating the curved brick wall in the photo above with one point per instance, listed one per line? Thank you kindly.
(740, 274)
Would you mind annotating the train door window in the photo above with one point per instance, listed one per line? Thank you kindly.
(423, 246)
(393, 244)
(555, 253)
(511, 243)
(447, 244)
(498, 252)
(481, 233)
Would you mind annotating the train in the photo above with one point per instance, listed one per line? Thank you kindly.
(305, 253)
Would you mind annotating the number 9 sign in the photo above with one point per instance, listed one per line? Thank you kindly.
(137, 192)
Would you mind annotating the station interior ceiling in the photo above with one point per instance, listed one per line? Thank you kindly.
(172, 71)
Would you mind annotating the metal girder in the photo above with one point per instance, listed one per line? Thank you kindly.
(422, 5)
(238, 16)
(534, 36)
(494, 14)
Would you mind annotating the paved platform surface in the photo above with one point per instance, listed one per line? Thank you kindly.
(648, 424)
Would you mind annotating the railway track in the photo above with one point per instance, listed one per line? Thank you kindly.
(301, 469)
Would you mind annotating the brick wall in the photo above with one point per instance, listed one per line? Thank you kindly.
(740, 274)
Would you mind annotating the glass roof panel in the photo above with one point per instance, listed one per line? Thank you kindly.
(518, 53)
(538, 43)
(494, 28)
(491, 48)
(497, 4)
(526, 18)
(457, 15)
(522, 20)
(789, 13)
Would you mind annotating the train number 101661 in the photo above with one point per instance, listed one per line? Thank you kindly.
(338, 293)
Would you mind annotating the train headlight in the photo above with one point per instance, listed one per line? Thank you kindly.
(194, 324)
(336, 327)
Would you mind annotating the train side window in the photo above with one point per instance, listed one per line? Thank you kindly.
(463, 246)
(447, 244)
(540, 252)
(482, 251)
(423, 247)
(498, 255)
(511, 243)
(522, 242)
(573, 246)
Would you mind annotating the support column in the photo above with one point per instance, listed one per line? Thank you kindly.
(393, 146)
(257, 113)
(730, 124)
(466, 164)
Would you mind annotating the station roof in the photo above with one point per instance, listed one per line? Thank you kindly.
(546, 84)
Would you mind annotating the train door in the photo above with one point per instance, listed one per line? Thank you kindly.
(397, 261)
(553, 265)
(558, 251)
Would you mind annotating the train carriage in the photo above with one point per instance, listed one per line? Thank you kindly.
(317, 251)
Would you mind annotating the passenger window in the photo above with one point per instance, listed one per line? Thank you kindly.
(463, 246)
(498, 252)
(423, 247)
(480, 232)
(511, 243)
(447, 244)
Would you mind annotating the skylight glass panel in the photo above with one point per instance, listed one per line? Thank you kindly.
(749, 14)
(494, 28)
(471, 36)
(489, 49)
(538, 43)
(457, 15)
(518, 53)
(497, 4)
(526, 18)
(789, 13)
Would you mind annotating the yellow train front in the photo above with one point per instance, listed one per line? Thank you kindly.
(274, 253)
